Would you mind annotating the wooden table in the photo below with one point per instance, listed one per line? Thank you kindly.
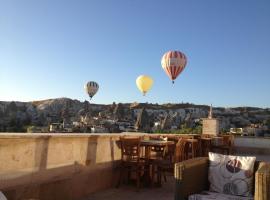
(154, 143)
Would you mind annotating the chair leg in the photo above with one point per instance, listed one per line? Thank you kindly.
(120, 178)
(164, 176)
(153, 175)
(159, 172)
(128, 176)
(138, 178)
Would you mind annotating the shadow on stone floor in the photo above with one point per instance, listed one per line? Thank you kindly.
(129, 192)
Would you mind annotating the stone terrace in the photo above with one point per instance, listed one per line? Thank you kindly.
(166, 192)
(79, 166)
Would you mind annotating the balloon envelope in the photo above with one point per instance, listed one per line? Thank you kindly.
(144, 83)
(91, 88)
(173, 63)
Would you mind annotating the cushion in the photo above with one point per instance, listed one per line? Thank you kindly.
(2, 196)
(206, 195)
(231, 174)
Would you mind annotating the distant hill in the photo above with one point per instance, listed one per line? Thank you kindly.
(15, 116)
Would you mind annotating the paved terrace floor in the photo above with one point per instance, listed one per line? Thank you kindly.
(124, 192)
(128, 192)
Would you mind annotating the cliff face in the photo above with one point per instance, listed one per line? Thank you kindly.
(15, 116)
(143, 122)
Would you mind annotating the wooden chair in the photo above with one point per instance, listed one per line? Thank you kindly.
(206, 136)
(171, 149)
(158, 152)
(154, 137)
(227, 145)
(192, 148)
(205, 146)
(161, 167)
(131, 161)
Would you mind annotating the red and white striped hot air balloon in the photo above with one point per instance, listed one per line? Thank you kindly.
(173, 63)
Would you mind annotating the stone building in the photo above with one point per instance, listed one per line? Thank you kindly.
(210, 124)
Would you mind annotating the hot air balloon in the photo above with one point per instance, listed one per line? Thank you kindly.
(173, 63)
(91, 88)
(144, 83)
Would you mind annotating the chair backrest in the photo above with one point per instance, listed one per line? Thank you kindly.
(130, 148)
(156, 137)
(227, 139)
(207, 136)
(159, 151)
(174, 138)
(180, 150)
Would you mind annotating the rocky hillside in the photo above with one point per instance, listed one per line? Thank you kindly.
(16, 116)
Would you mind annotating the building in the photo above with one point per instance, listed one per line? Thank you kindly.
(56, 127)
(99, 129)
(210, 124)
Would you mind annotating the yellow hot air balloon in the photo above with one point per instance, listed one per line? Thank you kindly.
(144, 83)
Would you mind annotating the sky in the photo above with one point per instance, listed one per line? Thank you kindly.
(50, 49)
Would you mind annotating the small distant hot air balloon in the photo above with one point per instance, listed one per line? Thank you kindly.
(144, 83)
(173, 63)
(91, 88)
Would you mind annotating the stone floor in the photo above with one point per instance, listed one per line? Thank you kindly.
(129, 192)
(165, 192)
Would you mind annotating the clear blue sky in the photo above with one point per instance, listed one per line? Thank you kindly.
(50, 49)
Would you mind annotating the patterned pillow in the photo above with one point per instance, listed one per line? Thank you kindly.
(2, 196)
(231, 174)
(206, 195)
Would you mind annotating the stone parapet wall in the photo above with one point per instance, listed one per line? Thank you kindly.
(57, 166)
(257, 146)
(71, 166)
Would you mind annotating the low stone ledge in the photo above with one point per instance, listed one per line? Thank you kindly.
(57, 166)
